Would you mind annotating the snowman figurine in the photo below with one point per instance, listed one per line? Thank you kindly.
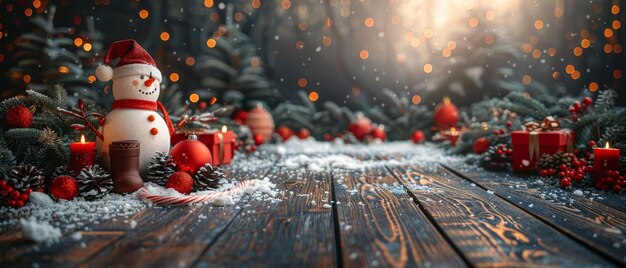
(136, 87)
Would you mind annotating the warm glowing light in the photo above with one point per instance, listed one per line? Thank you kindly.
(36, 4)
(143, 14)
(489, 39)
(28, 12)
(87, 47)
(451, 45)
(538, 24)
(302, 82)
(617, 74)
(616, 24)
(428, 68)
(82, 138)
(313, 96)
(453, 130)
(593, 86)
(303, 26)
(608, 48)
(213, 100)
(551, 52)
(194, 97)
(575, 75)
(327, 41)
(536, 53)
(608, 32)
(91, 79)
(527, 79)
(165, 36)
(190, 61)
(224, 129)
(238, 16)
(174, 77)
(364, 54)
(615, 9)
(395, 20)
(556, 75)
(585, 43)
(617, 48)
(78, 42)
(558, 12)
(578, 51)
(416, 99)
(473, 22)
(569, 69)
(255, 62)
(446, 52)
(256, 4)
(211, 43)
(369, 22)
(286, 4)
(26, 78)
(527, 48)
(299, 44)
(606, 145)
(490, 15)
(64, 69)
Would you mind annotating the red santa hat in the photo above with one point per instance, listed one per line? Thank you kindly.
(134, 60)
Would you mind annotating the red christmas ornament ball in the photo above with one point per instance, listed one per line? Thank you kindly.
(446, 114)
(64, 187)
(481, 145)
(303, 133)
(260, 121)
(240, 116)
(191, 154)
(180, 181)
(19, 117)
(258, 139)
(284, 132)
(360, 127)
(418, 136)
(379, 133)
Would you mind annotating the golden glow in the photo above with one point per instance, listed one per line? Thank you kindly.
(575, 75)
(615, 9)
(313, 96)
(78, 42)
(64, 69)
(208, 3)
(211, 43)
(165, 36)
(26, 78)
(286, 4)
(213, 100)
(255, 62)
(578, 51)
(28, 12)
(569, 69)
(143, 14)
(538, 24)
(224, 129)
(416, 99)
(190, 61)
(593, 86)
(551, 52)
(327, 41)
(617, 74)
(91, 79)
(299, 44)
(87, 47)
(428, 68)
(369, 22)
(585, 43)
(194, 97)
(256, 4)
(607, 146)
(616, 24)
(453, 130)
(82, 138)
(174, 77)
(473, 22)
(302, 82)
(364, 54)
(608, 32)
(527, 79)
(36, 4)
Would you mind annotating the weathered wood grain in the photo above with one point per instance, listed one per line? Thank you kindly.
(595, 224)
(173, 236)
(295, 232)
(380, 224)
(488, 230)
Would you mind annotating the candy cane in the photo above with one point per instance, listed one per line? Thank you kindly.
(143, 194)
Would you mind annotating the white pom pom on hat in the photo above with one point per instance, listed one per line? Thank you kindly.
(104, 73)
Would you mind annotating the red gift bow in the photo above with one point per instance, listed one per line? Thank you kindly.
(548, 124)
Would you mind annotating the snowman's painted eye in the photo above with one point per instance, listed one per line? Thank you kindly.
(141, 77)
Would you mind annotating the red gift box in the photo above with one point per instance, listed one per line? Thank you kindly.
(220, 143)
(528, 146)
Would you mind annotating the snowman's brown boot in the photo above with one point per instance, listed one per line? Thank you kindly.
(124, 159)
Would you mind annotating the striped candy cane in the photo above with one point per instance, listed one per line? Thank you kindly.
(143, 194)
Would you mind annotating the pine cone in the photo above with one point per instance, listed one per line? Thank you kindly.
(24, 176)
(495, 158)
(207, 177)
(94, 183)
(160, 168)
(547, 161)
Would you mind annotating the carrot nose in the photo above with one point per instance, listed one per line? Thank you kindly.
(149, 81)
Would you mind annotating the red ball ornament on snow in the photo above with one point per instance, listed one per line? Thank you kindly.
(180, 181)
(303, 134)
(260, 121)
(191, 154)
(481, 145)
(19, 117)
(446, 114)
(360, 127)
(418, 136)
(379, 133)
(258, 139)
(284, 132)
(64, 187)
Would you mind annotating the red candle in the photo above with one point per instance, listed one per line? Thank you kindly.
(82, 154)
(452, 135)
(605, 159)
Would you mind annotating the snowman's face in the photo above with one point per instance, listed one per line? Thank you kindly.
(140, 87)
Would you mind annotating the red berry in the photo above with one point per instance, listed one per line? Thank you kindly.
(579, 177)
(64, 187)
(583, 162)
(562, 174)
(24, 197)
(566, 182)
(28, 191)
(3, 184)
(572, 110)
(284, 132)
(575, 164)
(303, 133)
(496, 132)
(202, 105)
(509, 151)
(591, 144)
(543, 173)
(15, 195)
(11, 203)
(563, 167)
(499, 152)
(551, 171)
(9, 189)
(258, 139)
(19, 203)
(617, 188)
(180, 181)
(379, 133)
(576, 105)
(509, 123)
(589, 169)
(587, 100)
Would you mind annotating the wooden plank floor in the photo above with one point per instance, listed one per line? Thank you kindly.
(391, 213)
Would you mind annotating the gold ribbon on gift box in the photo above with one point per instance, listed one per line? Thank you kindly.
(548, 124)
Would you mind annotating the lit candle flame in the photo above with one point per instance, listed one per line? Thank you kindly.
(607, 145)
(82, 138)
(224, 129)
(453, 130)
